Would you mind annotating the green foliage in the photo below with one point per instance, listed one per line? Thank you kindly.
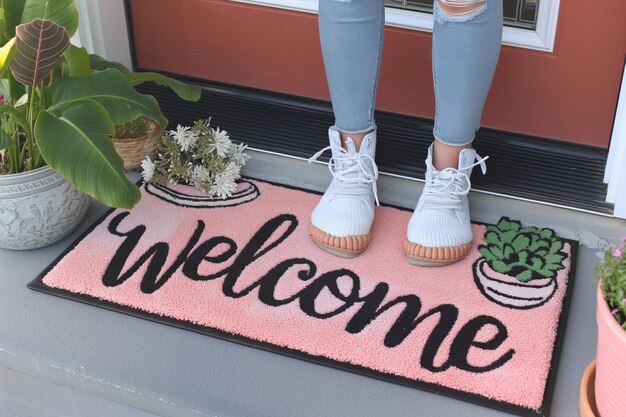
(11, 11)
(62, 12)
(7, 52)
(133, 129)
(111, 90)
(97, 63)
(63, 113)
(612, 272)
(184, 91)
(39, 45)
(75, 62)
(525, 253)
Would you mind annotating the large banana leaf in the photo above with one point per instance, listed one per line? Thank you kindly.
(98, 63)
(7, 52)
(16, 90)
(75, 62)
(110, 89)
(63, 12)
(3, 25)
(184, 91)
(5, 140)
(39, 45)
(76, 144)
(13, 10)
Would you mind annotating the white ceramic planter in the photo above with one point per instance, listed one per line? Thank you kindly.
(38, 208)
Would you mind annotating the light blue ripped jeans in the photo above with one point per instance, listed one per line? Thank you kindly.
(465, 51)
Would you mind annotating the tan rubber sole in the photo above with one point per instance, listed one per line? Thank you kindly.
(345, 246)
(419, 255)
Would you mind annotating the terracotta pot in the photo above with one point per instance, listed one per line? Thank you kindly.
(610, 362)
(508, 291)
(38, 208)
(587, 392)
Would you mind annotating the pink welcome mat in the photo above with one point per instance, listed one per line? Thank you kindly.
(487, 329)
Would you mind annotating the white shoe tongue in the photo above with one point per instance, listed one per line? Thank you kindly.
(466, 158)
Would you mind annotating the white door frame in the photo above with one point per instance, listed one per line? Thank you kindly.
(113, 44)
(615, 173)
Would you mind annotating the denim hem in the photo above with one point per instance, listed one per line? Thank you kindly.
(453, 144)
(371, 128)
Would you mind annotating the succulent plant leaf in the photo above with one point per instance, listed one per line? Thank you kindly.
(546, 233)
(489, 256)
(504, 224)
(520, 242)
(497, 252)
(500, 266)
(556, 246)
(508, 236)
(536, 263)
(524, 276)
(492, 237)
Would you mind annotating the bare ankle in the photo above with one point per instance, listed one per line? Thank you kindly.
(447, 156)
(357, 138)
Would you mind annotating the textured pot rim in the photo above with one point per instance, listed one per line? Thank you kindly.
(604, 313)
(30, 175)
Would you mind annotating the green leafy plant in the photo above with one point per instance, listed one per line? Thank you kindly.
(526, 253)
(59, 110)
(612, 272)
(133, 129)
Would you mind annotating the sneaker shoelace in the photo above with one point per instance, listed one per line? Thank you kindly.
(353, 172)
(444, 189)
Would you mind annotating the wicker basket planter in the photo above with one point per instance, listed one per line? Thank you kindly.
(133, 151)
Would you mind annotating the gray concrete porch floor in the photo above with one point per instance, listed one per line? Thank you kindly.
(115, 360)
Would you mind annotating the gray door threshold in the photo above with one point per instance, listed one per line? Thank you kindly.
(593, 230)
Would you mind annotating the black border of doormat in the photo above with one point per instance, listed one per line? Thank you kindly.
(38, 285)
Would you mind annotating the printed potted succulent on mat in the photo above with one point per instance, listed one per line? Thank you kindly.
(610, 364)
(519, 265)
(56, 122)
(201, 157)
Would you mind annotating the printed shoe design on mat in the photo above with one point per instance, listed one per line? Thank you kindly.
(342, 220)
(439, 231)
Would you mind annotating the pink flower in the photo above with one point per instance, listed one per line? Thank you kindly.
(614, 311)
(2, 102)
(617, 253)
(623, 238)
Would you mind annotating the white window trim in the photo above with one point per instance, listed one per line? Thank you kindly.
(541, 39)
(113, 43)
(615, 173)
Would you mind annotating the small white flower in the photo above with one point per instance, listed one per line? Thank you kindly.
(224, 183)
(221, 142)
(147, 167)
(200, 175)
(238, 155)
(184, 137)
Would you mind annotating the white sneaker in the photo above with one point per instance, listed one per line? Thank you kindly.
(342, 220)
(440, 232)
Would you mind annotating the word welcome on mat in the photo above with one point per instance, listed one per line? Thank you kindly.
(487, 329)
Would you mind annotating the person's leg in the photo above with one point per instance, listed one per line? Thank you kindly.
(351, 36)
(466, 47)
